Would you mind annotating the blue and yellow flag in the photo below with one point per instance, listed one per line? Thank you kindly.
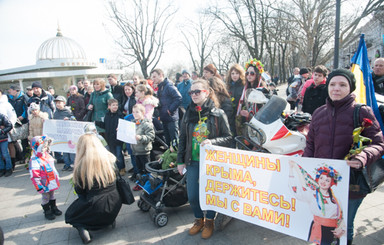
(365, 92)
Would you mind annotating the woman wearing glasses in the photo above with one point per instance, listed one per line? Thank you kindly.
(203, 123)
(254, 68)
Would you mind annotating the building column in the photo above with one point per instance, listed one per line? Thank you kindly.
(21, 84)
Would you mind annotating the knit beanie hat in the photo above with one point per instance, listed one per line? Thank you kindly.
(304, 71)
(36, 85)
(345, 73)
(34, 106)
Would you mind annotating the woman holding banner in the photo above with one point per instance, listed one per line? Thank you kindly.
(203, 123)
(330, 132)
(328, 223)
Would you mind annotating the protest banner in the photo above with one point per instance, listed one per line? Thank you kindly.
(282, 193)
(126, 131)
(65, 134)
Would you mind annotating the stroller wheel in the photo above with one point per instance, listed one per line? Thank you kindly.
(221, 221)
(143, 206)
(161, 219)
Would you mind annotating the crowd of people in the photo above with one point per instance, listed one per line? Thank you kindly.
(192, 111)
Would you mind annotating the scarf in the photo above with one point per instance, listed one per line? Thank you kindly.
(193, 115)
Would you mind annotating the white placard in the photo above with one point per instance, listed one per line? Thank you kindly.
(65, 134)
(127, 131)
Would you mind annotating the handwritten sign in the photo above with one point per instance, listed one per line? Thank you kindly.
(126, 131)
(65, 134)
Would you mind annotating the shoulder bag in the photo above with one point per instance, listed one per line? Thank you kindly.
(124, 190)
(19, 131)
(366, 180)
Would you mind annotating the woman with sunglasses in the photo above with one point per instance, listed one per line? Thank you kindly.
(254, 68)
(203, 123)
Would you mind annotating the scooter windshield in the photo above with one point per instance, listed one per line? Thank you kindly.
(272, 110)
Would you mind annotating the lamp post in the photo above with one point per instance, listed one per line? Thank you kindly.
(337, 38)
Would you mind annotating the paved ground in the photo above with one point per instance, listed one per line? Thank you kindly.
(22, 220)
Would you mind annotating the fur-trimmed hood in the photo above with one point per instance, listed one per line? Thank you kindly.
(150, 100)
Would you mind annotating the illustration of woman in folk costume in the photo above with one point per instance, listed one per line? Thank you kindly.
(328, 224)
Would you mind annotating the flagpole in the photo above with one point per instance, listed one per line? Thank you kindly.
(337, 38)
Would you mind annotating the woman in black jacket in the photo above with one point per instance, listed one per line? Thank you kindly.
(129, 98)
(222, 96)
(235, 81)
(203, 123)
(94, 178)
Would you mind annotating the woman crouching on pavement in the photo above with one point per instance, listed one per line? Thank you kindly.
(203, 123)
(94, 178)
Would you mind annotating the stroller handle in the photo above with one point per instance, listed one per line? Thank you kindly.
(149, 168)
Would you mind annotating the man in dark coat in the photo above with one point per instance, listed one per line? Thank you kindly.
(43, 99)
(378, 76)
(170, 100)
(116, 89)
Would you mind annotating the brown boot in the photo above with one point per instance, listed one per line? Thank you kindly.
(208, 229)
(197, 226)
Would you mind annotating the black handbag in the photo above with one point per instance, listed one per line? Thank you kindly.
(366, 180)
(124, 190)
(88, 116)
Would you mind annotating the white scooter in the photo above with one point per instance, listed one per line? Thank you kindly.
(266, 131)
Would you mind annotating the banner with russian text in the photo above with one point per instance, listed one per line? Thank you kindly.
(283, 193)
(65, 134)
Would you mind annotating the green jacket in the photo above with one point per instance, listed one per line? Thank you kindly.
(147, 133)
(99, 100)
(167, 158)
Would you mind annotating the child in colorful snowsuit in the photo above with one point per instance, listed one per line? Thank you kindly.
(44, 175)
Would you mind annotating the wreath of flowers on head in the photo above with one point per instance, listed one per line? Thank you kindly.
(330, 172)
(256, 63)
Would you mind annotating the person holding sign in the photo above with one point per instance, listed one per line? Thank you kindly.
(330, 132)
(328, 224)
(203, 123)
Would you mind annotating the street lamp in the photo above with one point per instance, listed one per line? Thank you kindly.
(337, 38)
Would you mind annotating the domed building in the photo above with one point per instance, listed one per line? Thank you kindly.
(60, 62)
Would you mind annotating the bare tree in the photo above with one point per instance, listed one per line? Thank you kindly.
(350, 23)
(143, 26)
(245, 20)
(228, 51)
(197, 40)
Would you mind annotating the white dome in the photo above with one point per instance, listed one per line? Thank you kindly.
(60, 47)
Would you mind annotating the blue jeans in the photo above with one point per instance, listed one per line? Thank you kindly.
(69, 158)
(5, 155)
(117, 150)
(171, 131)
(193, 192)
(353, 205)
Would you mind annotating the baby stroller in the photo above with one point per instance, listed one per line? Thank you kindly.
(159, 145)
(161, 188)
